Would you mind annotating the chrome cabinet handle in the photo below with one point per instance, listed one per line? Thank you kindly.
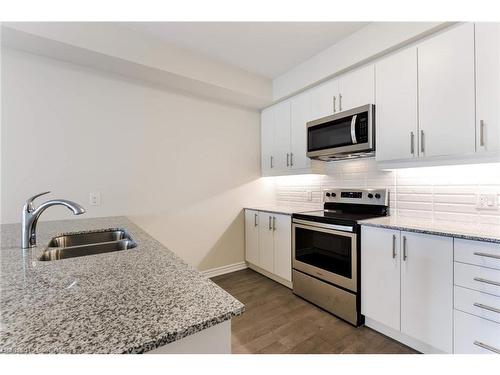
(255, 220)
(269, 225)
(291, 159)
(412, 143)
(393, 246)
(486, 281)
(334, 103)
(494, 256)
(481, 133)
(486, 307)
(404, 248)
(487, 347)
(274, 222)
(340, 102)
(272, 166)
(287, 159)
(422, 143)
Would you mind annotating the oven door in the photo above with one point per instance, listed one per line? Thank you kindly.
(324, 251)
(344, 133)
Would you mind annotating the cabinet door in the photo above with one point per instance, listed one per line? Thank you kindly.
(300, 115)
(487, 86)
(252, 236)
(283, 246)
(396, 111)
(266, 241)
(427, 289)
(281, 149)
(324, 99)
(380, 275)
(357, 88)
(267, 140)
(446, 93)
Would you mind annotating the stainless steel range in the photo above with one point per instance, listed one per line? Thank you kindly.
(326, 250)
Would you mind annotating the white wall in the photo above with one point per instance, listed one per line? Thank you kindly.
(181, 167)
(372, 41)
(445, 193)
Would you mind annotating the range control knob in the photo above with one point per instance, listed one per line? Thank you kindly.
(334, 195)
(377, 196)
(327, 194)
(370, 195)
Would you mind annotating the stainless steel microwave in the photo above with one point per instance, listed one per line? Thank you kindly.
(344, 135)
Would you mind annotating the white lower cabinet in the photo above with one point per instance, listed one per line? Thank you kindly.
(252, 236)
(407, 285)
(427, 289)
(268, 244)
(477, 297)
(474, 335)
(380, 276)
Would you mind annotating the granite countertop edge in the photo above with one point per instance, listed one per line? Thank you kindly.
(437, 231)
(23, 332)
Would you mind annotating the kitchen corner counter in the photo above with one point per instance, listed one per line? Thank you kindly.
(129, 301)
(441, 228)
(281, 209)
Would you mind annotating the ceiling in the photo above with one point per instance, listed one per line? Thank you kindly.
(268, 49)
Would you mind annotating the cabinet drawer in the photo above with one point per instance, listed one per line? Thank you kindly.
(482, 279)
(476, 303)
(474, 335)
(484, 254)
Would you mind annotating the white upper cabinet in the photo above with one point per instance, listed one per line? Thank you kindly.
(267, 140)
(357, 88)
(427, 289)
(300, 115)
(282, 135)
(396, 111)
(324, 99)
(487, 86)
(446, 93)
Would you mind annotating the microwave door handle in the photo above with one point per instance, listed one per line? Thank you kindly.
(353, 130)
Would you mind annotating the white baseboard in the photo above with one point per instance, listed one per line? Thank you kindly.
(224, 269)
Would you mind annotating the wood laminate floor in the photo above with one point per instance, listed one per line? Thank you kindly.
(277, 321)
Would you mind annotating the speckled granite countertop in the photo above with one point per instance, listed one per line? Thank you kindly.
(127, 301)
(449, 229)
(282, 209)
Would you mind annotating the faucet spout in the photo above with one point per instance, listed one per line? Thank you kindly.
(31, 215)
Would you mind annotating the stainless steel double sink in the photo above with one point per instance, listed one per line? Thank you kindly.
(71, 245)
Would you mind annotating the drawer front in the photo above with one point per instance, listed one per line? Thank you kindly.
(474, 335)
(484, 254)
(476, 303)
(482, 279)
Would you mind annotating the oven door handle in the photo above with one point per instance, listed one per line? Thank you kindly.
(353, 130)
(313, 224)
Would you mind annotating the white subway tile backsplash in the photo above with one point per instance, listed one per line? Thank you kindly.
(435, 193)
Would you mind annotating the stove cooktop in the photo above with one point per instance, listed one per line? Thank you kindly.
(348, 206)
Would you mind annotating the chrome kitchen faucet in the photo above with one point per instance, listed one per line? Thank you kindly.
(31, 215)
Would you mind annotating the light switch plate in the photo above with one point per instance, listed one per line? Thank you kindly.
(487, 202)
(95, 199)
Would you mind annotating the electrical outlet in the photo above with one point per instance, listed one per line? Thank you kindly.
(487, 202)
(95, 199)
(309, 195)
